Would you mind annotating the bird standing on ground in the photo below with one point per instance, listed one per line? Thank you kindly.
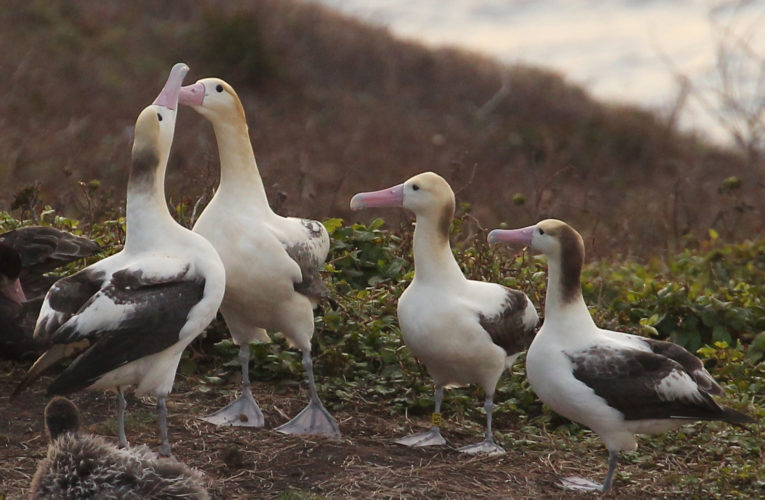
(272, 262)
(464, 331)
(615, 383)
(131, 315)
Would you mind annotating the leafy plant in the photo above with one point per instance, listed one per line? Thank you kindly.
(708, 300)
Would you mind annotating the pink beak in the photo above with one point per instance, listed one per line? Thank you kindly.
(512, 236)
(192, 95)
(168, 98)
(391, 197)
(14, 292)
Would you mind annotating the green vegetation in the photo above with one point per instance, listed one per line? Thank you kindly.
(340, 107)
(707, 300)
(698, 297)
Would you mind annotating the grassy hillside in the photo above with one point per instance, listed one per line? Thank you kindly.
(335, 107)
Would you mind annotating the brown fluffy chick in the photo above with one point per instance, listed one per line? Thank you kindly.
(80, 465)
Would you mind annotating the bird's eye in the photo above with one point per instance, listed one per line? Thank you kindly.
(541, 231)
(415, 187)
(219, 88)
(159, 117)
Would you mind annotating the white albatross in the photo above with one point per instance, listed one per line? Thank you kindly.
(464, 331)
(615, 383)
(272, 262)
(130, 316)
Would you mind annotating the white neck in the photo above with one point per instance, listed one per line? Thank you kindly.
(239, 175)
(147, 215)
(433, 258)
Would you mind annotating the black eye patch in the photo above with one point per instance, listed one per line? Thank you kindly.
(219, 88)
(415, 187)
(159, 117)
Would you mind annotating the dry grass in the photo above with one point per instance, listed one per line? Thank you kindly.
(249, 463)
(335, 107)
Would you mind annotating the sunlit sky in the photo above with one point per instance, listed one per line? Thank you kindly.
(619, 50)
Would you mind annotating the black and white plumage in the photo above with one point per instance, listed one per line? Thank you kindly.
(80, 465)
(272, 262)
(128, 317)
(26, 254)
(615, 383)
(43, 249)
(464, 331)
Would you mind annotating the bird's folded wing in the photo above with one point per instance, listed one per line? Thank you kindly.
(642, 385)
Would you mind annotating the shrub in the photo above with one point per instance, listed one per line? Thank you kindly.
(710, 299)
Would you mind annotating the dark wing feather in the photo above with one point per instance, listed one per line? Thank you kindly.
(507, 328)
(630, 380)
(9, 310)
(159, 311)
(17, 321)
(10, 265)
(65, 298)
(43, 249)
(689, 362)
(36, 285)
(311, 284)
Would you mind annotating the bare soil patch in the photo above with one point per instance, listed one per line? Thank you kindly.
(261, 463)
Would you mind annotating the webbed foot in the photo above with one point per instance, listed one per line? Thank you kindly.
(485, 447)
(314, 419)
(243, 412)
(429, 438)
(575, 483)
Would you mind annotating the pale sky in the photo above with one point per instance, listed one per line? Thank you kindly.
(620, 50)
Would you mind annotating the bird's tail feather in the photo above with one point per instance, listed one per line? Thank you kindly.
(46, 360)
(736, 417)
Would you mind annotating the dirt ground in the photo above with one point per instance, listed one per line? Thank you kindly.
(260, 463)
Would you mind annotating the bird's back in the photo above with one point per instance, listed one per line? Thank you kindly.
(86, 466)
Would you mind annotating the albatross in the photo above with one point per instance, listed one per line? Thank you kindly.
(464, 331)
(272, 262)
(615, 383)
(129, 317)
(42, 249)
(26, 254)
(16, 317)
